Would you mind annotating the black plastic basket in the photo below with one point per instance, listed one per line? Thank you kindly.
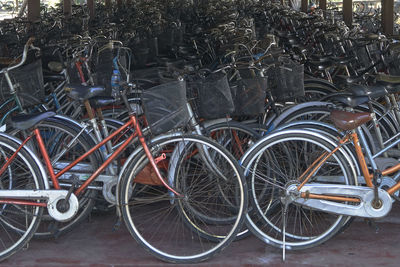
(212, 96)
(287, 81)
(27, 81)
(165, 106)
(166, 41)
(73, 73)
(104, 69)
(249, 96)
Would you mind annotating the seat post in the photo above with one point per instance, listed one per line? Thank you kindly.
(366, 148)
(92, 119)
(89, 109)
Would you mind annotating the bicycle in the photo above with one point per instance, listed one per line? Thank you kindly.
(207, 220)
(304, 184)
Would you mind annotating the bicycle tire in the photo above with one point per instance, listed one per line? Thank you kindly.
(29, 176)
(282, 154)
(236, 137)
(182, 230)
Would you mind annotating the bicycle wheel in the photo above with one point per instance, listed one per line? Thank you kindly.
(18, 222)
(236, 137)
(57, 138)
(278, 162)
(198, 225)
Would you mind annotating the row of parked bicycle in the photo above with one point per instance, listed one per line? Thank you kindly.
(243, 126)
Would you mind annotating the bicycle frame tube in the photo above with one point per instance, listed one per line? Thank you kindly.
(18, 107)
(150, 157)
(8, 162)
(78, 66)
(366, 174)
(138, 133)
(55, 177)
(318, 163)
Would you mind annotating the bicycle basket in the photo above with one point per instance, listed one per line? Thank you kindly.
(27, 81)
(104, 68)
(249, 96)
(165, 106)
(212, 96)
(287, 81)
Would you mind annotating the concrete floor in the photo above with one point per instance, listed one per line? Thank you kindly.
(94, 243)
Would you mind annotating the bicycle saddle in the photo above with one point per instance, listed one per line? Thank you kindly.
(390, 82)
(342, 60)
(347, 121)
(102, 101)
(349, 79)
(26, 121)
(372, 91)
(53, 77)
(299, 49)
(349, 101)
(320, 58)
(321, 65)
(55, 66)
(83, 92)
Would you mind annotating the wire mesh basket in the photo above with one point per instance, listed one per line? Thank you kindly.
(73, 73)
(287, 81)
(105, 65)
(249, 96)
(212, 96)
(165, 106)
(27, 81)
(104, 68)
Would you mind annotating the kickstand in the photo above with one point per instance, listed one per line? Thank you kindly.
(371, 223)
(53, 229)
(285, 204)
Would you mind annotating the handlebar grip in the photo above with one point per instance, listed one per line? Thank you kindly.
(30, 41)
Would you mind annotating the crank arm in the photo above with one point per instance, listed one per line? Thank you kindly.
(51, 196)
(364, 208)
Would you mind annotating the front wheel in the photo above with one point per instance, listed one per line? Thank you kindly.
(200, 223)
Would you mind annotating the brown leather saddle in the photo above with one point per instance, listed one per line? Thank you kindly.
(346, 121)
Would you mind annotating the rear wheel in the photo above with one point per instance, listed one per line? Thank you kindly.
(57, 137)
(18, 222)
(278, 162)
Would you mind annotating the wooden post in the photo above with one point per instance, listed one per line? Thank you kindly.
(90, 5)
(387, 17)
(67, 7)
(282, 2)
(304, 5)
(119, 4)
(16, 5)
(108, 5)
(322, 4)
(348, 12)
(33, 10)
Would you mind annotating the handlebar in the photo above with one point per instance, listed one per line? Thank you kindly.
(28, 44)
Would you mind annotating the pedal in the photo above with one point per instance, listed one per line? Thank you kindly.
(75, 182)
(53, 229)
(160, 158)
(372, 224)
(117, 225)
